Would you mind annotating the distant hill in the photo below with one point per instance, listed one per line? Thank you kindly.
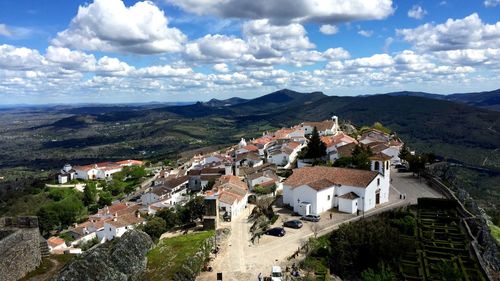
(488, 100)
(226, 102)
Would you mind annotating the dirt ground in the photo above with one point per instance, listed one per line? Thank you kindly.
(240, 260)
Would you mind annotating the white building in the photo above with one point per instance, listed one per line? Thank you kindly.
(325, 128)
(117, 226)
(66, 174)
(171, 192)
(56, 245)
(313, 190)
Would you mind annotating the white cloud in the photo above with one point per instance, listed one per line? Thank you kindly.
(491, 3)
(328, 29)
(108, 25)
(216, 47)
(113, 66)
(467, 33)
(268, 40)
(282, 11)
(163, 71)
(365, 33)
(221, 67)
(70, 59)
(417, 12)
(13, 58)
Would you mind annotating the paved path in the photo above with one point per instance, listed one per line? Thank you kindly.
(240, 260)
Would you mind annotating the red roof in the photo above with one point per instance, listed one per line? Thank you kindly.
(317, 177)
(251, 147)
(55, 241)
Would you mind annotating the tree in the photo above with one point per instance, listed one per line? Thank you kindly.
(448, 271)
(383, 273)
(315, 147)
(105, 199)
(170, 217)
(360, 157)
(47, 219)
(137, 172)
(155, 227)
(89, 194)
(404, 154)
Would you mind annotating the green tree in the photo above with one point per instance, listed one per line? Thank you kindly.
(315, 147)
(360, 157)
(47, 219)
(383, 273)
(170, 217)
(404, 154)
(105, 199)
(137, 172)
(343, 162)
(89, 194)
(380, 127)
(70, 210)
(155, 227)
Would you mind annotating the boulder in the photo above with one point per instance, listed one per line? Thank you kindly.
(122, 259)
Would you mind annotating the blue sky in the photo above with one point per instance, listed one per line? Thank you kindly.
(109, 51)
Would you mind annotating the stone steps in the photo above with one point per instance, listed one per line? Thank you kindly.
(44, 248)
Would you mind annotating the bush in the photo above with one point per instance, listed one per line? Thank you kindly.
(155, 227)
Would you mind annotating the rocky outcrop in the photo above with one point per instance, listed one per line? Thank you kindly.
(121, 259)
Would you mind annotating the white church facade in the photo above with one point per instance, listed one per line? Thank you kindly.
(314, 190)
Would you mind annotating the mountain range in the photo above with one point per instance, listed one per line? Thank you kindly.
(463, 127)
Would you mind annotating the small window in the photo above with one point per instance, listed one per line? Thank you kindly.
(378, 182)
(328, 197)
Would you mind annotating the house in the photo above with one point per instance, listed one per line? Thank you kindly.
(232, 195)
(172, 191)
(263, 178)
(66, 174)
(56, 245)
(198, 179)
(334, 142)
(374, 135)
(248, 159)
(313, 190)
(102, 170)
(118, 225)
(246, 149)
(282, 153)
(325, 128)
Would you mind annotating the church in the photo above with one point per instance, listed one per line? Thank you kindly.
(314, 190)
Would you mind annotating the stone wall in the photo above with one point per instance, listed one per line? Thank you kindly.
(19, 247)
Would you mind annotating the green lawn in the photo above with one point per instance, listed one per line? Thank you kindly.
(167, 257)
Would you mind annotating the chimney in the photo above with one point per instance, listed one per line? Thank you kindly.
(114, 219)
(138, 214)
(115, 215)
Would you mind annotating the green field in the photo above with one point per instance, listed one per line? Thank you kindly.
(167, 258)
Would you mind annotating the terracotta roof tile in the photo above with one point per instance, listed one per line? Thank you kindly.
(342, 176)
(55, 241)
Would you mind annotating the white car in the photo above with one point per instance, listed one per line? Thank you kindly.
(276, 273)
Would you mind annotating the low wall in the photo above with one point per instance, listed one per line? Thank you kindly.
(19, 247)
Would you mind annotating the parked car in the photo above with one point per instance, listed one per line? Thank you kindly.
(276, 231)
(311, 217)
(276, 273)
(293, 224)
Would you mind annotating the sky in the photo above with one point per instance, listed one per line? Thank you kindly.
(114, 51)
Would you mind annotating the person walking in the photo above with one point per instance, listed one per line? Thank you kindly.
(260, 276)
(331, 215)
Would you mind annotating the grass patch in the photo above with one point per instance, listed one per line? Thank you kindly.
(48, 267)
(495, 231)
(170, 254)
